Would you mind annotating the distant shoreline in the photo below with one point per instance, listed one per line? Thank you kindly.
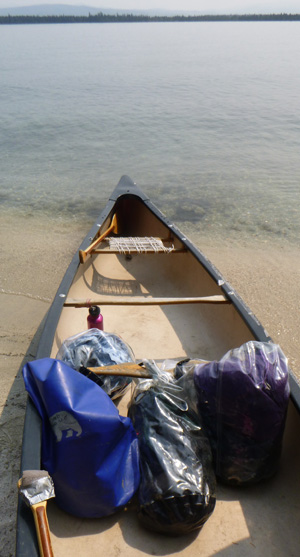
(130, 18)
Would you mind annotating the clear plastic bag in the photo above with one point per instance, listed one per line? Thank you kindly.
(177, 488)
(95, 348)
(243, 401)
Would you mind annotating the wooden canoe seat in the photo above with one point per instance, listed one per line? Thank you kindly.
(142, 244)
(126, 245)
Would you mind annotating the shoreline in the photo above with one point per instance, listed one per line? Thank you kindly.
(14, 18)
(266, 277)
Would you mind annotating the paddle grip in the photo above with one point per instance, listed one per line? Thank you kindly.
(42, 529)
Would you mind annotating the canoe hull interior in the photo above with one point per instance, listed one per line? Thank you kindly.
(128, 288)
(196, 330)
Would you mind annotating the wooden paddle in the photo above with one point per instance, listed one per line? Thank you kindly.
(127, 369)
(36, 487)
(130, 369)
(112, 228)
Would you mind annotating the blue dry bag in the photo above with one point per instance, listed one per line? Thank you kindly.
(90, 451)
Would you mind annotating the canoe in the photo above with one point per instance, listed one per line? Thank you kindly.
(160, 294)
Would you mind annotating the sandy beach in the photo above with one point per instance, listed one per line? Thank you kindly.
(35, 255)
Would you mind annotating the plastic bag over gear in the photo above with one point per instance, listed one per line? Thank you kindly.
(243, 400)
(177, 489)
(95, 348)
(89, 450)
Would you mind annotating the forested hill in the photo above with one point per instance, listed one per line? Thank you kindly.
(126, 18)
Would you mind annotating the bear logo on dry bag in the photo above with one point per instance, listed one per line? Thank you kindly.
(64, 421)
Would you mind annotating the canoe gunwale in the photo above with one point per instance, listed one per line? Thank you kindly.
(26, 544)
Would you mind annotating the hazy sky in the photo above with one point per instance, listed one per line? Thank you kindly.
(212, 6)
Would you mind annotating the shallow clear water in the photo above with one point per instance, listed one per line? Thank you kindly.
(205, 117)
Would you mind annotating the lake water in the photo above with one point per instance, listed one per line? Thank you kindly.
(205, 117)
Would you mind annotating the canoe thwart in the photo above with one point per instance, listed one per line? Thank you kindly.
(144, 301)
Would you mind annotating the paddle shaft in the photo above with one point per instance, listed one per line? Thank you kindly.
(130, 369)
(125, 369)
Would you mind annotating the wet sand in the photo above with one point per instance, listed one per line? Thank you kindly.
(35, 256)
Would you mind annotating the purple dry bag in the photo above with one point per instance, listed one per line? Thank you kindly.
(90, 451)
(243, 401)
